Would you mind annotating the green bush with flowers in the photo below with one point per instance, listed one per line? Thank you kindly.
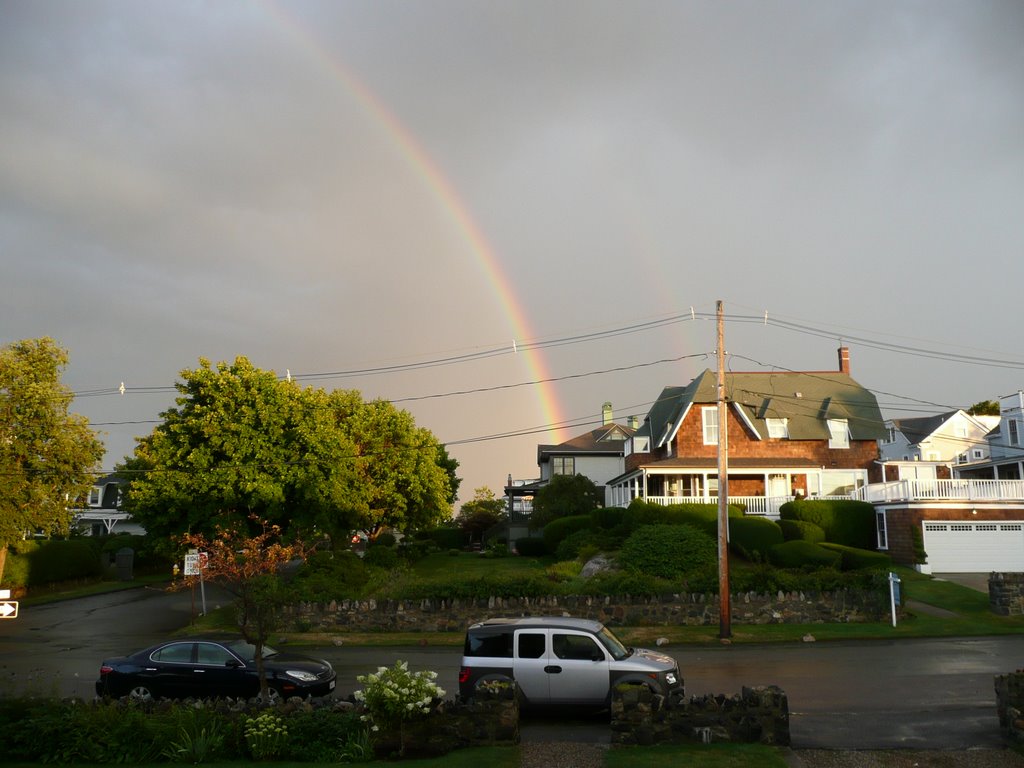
(266, 735)
(392, 696)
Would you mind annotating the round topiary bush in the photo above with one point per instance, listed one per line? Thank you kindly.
(800, 530)
(667, 551)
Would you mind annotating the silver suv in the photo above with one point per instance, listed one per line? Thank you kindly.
(557, 660)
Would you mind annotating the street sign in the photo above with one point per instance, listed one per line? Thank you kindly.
(195, 562)
(9, 609)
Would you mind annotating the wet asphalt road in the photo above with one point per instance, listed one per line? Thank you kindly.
(842, 695)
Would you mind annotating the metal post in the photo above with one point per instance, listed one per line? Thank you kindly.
(724, 609)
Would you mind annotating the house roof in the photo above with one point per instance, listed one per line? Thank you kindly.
(919, 428)
(806, 399)
(606, 439)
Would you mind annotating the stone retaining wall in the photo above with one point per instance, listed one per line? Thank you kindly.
(1010, 704)
(1006, 593)
(757, 715)
(431, 615)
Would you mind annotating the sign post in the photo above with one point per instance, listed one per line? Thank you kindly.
(195, 563)
(894, 594)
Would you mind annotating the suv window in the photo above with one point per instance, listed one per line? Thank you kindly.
(577, 647)
(496, 645)
(531, 645)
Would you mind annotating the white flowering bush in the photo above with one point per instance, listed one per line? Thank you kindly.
(393, 695)
(266, 735)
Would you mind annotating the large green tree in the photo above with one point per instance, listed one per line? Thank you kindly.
(564, 496)
(47, 454)
(242, 442)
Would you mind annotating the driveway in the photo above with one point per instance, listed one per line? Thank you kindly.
(978, 581)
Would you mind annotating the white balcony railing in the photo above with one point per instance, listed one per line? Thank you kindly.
(942, 490)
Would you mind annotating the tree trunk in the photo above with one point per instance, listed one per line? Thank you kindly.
(3, 562)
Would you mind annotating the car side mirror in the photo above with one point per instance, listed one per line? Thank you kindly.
(232, 664)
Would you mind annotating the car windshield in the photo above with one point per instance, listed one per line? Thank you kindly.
(247, 651)
(613, 645)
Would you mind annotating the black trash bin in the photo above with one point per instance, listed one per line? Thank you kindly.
(124, 559)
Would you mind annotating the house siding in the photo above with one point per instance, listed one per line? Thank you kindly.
(689, 442)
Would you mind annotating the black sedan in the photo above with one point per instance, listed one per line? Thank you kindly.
(202, 668)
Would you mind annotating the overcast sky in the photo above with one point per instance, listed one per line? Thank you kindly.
(329, 187)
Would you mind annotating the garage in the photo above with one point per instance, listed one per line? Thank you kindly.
(970, 547)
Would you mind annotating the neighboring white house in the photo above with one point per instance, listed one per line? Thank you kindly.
(102, 515)
(954, 437)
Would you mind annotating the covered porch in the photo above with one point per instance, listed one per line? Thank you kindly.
(761, 488)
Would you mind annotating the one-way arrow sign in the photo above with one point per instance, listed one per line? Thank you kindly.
(9, 610)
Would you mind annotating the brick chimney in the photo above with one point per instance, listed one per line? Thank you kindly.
(844, 360)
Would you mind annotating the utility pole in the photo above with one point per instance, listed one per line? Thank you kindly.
(724, 610)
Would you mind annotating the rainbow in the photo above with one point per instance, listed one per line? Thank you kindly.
(441, 188)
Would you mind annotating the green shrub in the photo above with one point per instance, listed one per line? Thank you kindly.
(627, 583)
(608, 518)
(703, 516)
(564, 571)
(667, 551)
(330, 575)
(800, 530)
(570, 546)
(37, 563)
(381, 556)
(752, 537)
(531, 546)
(320, 735)
(851, 523)
(561, 527)
(854, 559)
(444, 538)
(801, 554)
(410, 551)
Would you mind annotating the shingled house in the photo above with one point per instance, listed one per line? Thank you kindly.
(807, 433)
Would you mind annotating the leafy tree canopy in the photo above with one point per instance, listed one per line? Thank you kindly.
(564, 496)
(47, 455)
(480, 514)
(984, 408)
(241, 442)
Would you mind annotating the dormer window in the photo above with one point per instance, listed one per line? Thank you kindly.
(94, 496)
(709, 418)
(778, 428)
(839, 433)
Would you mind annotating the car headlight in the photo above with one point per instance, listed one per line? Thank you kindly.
(670, 678)
(301, 674)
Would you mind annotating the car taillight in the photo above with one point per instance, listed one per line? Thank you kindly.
(105, 670)
(464, 673)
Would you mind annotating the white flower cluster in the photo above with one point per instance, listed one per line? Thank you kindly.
(392, 694)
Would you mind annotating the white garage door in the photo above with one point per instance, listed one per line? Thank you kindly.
(974, 547)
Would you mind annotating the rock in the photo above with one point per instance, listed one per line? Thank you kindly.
(809, 638)
(661, 641)
(596, 564)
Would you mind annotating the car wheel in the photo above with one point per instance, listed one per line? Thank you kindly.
(273, 696)
(140, 693)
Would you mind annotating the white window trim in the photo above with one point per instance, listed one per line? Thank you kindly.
(839, 433)
(709, 424)
(778, 428)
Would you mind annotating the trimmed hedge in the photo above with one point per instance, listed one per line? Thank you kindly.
(854, 559)
(48, 561)
(752, 537)
(851, 523)
(703, 516)
(800, 554)
(667, 551)
(608, 518)
(800, 530)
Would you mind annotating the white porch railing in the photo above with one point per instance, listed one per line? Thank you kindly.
(767, 506)
(944, 490)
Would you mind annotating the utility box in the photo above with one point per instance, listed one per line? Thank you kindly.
(124, 561)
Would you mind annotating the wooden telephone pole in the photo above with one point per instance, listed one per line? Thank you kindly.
(724, 610)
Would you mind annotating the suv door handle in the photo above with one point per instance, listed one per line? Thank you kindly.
(552, 670)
